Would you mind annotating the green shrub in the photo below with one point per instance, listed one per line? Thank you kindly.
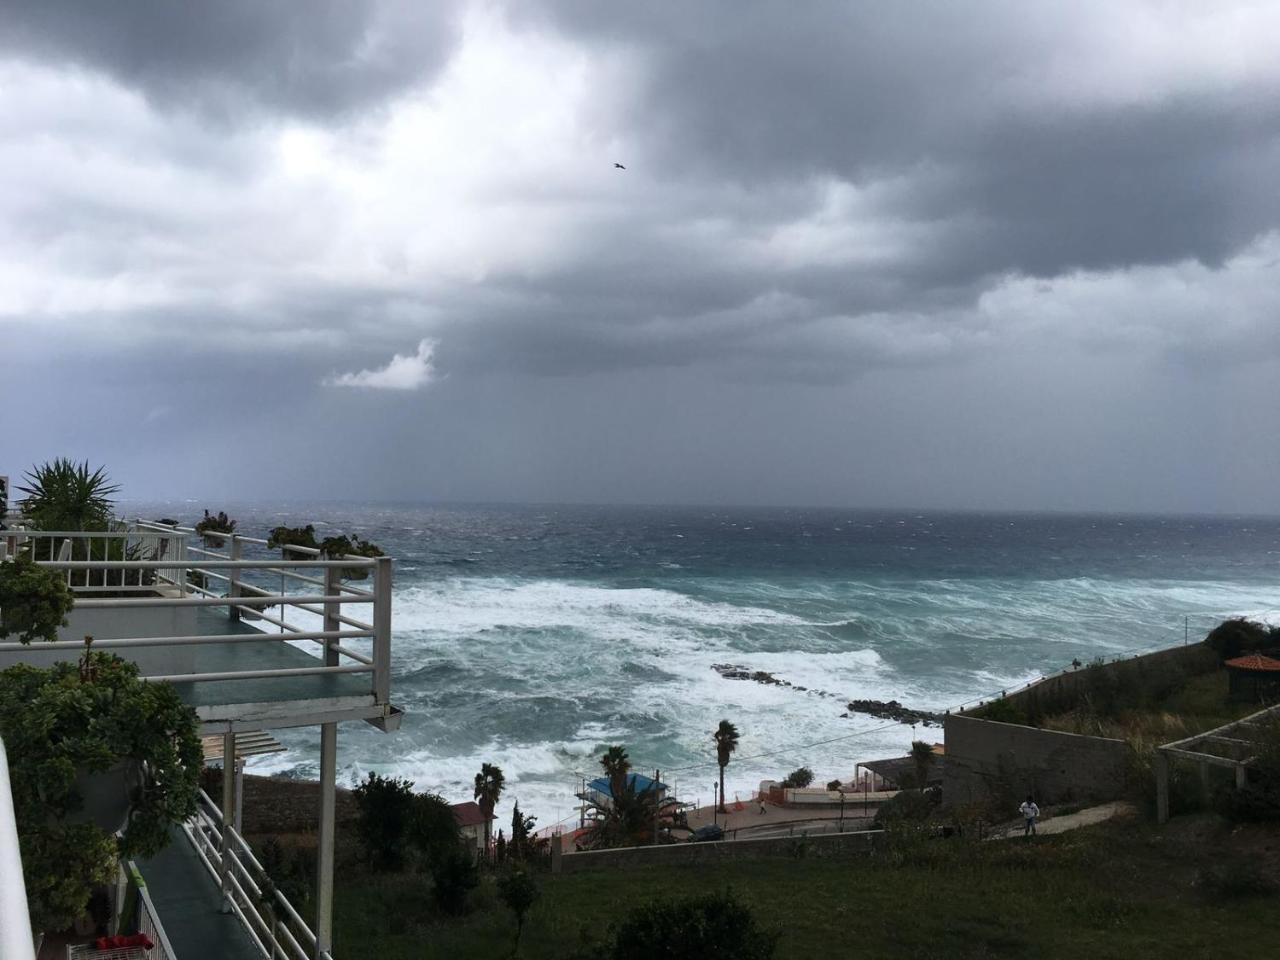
(907, 806)
(336, 548)
(799, 778)
(1236, 879)
(1003, 710)
(432, 829)
(72, 720)
(34, 600)
(385, 808)
(518, 890)
(454, 876)
(709, 927)
(283, 537)
(1234, 637)
(210, 526)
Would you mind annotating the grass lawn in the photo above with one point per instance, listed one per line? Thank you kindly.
(1119, 890)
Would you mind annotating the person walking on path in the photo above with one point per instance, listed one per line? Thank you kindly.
(1030, 813)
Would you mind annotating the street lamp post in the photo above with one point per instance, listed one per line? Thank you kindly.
(715, 802)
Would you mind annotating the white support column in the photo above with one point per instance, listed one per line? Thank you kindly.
(382, 630)
(324, 866)
(332, 588)
(239, 817)
(233, 587)
(228, 815)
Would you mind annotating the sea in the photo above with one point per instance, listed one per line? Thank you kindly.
(534, 637)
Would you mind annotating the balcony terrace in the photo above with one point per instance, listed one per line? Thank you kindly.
(252, 641)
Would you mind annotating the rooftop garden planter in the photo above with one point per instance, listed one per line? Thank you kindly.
(34, 600)
(337, 548)
(215, 528)
(286, 537)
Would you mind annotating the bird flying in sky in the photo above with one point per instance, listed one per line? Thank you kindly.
(620, 166)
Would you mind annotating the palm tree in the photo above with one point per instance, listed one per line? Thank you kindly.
(489, 784)
(64, 495)
(616, 766)
(726, 738)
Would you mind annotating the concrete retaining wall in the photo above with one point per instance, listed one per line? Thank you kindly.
(1003, 761)
(830, 845)
(103, 624)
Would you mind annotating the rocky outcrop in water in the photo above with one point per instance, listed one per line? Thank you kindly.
(733, 671)
(881, 709)
(893, 710)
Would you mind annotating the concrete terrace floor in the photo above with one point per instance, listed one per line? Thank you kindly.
(189, 903)
(260, 655)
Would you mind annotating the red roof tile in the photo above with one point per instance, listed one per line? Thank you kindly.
(1254, 661)
(469, 814)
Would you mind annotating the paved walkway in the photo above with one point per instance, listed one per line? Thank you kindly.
(782, 821)
(1068, 821)
(189, 904)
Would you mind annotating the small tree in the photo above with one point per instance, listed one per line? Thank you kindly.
(454, 876)
(726, 740)
(65, 495)
(67, 725)
(34, 600)
(709, 927)
(432, 829)
(799, 778)
(385, 807)
(518, 890)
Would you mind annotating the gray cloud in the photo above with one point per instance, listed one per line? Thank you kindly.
(894, 230)
(315, 58)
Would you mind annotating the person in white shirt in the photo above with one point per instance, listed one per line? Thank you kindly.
(1030, 813)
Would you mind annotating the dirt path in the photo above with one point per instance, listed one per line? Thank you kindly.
(1067, 821)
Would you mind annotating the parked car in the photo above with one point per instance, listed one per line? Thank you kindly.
(709, 832)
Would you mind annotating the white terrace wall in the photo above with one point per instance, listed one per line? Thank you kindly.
(104, 624)
(1004, 761)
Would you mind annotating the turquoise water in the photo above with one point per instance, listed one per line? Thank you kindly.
(533, 637)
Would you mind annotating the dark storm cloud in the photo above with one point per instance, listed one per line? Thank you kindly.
(314, 58)
(988, 253)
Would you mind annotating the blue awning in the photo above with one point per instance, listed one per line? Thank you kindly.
(636, 781)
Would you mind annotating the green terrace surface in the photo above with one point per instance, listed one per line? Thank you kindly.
(1123, 890)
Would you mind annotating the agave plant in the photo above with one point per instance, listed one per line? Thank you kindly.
(64, 495)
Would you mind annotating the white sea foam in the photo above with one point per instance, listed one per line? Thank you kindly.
(641, 658)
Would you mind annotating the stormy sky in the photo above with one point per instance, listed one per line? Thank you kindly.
(978, 255)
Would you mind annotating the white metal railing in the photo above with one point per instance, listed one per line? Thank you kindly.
(16, 942)
(273, 925)
(305, 600)
(149, 921)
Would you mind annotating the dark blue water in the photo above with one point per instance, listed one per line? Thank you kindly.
(535, 636)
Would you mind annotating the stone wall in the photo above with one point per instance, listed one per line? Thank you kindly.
(1005, 762)
(827, 845)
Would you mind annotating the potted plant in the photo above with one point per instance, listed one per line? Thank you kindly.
(99, 749)
(212, 526)
(34, 600)
(286, 537)
(336, 548)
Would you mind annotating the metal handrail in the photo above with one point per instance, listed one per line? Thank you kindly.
(176, 574)
(16, 941)
(246, 880)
